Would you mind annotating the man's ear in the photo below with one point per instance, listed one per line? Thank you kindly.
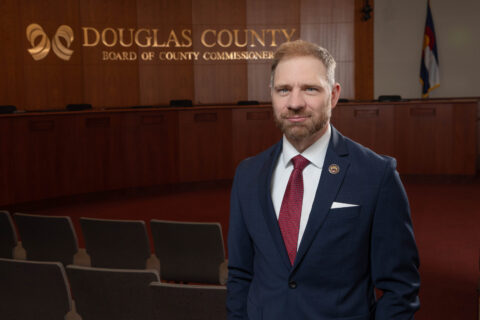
(336, 89)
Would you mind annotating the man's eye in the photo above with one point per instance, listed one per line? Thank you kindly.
(311, 89)
(282, 90)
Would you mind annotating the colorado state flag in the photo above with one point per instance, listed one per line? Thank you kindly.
(429, 72)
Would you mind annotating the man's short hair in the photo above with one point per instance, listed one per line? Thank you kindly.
(302, 48)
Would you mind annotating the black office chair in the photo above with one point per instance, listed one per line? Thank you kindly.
(389, 98)
(247, 102)
(181, 103)
(7, 109)
(79, 106)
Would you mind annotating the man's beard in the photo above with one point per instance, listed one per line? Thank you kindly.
(300, 131)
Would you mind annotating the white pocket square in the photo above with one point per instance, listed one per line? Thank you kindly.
(337, 205)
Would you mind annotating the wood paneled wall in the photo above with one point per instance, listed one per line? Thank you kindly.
(47, 155)
(52, 83)
(363, 35)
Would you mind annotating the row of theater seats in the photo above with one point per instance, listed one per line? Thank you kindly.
(117, 283)
(32, 290)
(184, 251)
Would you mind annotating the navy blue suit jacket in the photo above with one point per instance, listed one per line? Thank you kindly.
(344, 253)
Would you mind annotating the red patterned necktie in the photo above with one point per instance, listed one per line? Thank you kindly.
(291, 209)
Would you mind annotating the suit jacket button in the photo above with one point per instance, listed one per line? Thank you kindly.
(292, 284)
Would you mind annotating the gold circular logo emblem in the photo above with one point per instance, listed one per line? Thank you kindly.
(41, 48)
(334, 169)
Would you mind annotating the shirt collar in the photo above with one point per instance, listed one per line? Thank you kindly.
(315, 153)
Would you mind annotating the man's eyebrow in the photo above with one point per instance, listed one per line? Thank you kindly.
(281, 86)
(311, 85)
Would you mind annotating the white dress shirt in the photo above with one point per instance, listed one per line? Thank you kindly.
(311, 176)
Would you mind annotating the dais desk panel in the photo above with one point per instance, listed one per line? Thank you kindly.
(48, 155)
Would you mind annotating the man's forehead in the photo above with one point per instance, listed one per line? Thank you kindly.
(311, 61)
(300, 69)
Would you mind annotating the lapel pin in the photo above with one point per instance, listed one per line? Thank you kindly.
(334, 169)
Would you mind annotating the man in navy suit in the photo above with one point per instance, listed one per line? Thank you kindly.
(314, 242)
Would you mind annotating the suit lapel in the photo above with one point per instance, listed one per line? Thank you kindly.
(268, 210)
(327, 190)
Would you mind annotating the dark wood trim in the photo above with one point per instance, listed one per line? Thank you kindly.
(363, 53)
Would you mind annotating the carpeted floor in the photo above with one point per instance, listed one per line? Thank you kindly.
(445, 212)
(446, 217)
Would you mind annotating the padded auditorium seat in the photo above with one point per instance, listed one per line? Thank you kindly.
(111, 294)
(190, 251)
(116, 243)
(32, 290)
(47, 238)
(8, 236)
(182, 301)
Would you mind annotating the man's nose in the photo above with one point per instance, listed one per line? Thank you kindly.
(296, 100)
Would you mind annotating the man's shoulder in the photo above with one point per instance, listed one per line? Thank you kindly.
(261, 159)
(367, 157)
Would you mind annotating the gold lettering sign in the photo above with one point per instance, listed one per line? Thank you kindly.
(145, 41)
(204, 39)
(225, 38)
(86, 37)
(122, 37)
(237, 55)
(42, 48)
(109, 37)
(66, 33)
(152, 42)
